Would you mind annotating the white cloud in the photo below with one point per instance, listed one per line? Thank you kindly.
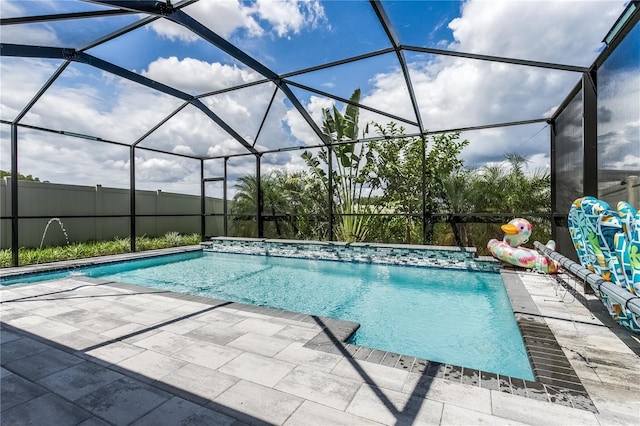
(491, 145)
(195, 76)
(149, 169)
(182, 149)
(190, 127)
(451, 92)
(42, 35)
(166, 172)
(225, 147)
(11, 9)
(226, 17)
(628, 162)
(172, 31)
(456, 92)
(618, 124)
(61, 159)
(300, 128)
(290, 16)
(221, 16)
(113, 109)
(21, 80)
(555, 31)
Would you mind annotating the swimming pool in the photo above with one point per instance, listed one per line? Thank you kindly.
(447, 315)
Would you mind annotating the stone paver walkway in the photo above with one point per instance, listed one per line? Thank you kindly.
(85, 352)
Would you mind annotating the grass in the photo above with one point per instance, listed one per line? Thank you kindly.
(30, 256)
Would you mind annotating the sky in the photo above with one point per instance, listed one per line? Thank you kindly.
(287, 36)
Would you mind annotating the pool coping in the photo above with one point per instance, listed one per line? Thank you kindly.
(16, 271)
(555, 379)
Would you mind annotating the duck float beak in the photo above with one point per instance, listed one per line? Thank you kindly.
(510, 229)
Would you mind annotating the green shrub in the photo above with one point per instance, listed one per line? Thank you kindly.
(30, 256)
(172, 239)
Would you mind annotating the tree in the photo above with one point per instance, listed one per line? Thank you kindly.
(498, 188)
(506, 188)
(399, 164)
(304, 207)
(245, 202)
(4, 173)
(353, 180)
(290, 205)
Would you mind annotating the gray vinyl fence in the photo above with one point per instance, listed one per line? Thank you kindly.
(628, 190)
(50, 200)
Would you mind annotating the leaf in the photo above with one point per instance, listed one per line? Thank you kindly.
(344, 160)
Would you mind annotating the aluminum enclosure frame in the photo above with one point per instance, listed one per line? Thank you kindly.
(153, 10)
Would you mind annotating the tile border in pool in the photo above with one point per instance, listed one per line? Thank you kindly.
(387, 254)
(556, 380)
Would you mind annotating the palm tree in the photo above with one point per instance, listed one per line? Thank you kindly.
(291, 204)
(245, 203)
(500, 188)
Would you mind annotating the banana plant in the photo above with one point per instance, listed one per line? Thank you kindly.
(353, 179)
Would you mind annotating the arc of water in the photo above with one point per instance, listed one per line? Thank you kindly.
(46, 228)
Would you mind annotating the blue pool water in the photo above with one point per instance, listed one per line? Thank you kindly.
(454, 316)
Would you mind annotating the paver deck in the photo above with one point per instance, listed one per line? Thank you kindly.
(88, 352)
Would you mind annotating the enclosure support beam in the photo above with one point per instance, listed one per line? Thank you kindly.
(425, 223)
(259, 199)
(203, 221)
(427, 233)
(224, 199)
(203, 191)
(554, 182)
(330, 190)
(63, 16)
(132, 197)
(590, 133)
(14, 195)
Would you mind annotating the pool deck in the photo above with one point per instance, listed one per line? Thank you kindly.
(82, 351)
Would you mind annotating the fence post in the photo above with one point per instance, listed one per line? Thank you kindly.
(633, 194)
(99, 207)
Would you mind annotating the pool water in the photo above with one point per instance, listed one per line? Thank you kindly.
(453, 316)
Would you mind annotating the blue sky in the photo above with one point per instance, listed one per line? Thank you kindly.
(286, 36)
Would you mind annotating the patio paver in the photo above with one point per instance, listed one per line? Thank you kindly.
(152, 365)
(16, 390)
(207, 354)
(163, 365)
(77, 381)
(259, 344)
(178, 411)
(296, 353)
(123, 401)
(193, 380)
(321, 387)
(391, 407)
(42, 364)
(48, 409)
(312, 414)
(258, 369)
(534, 412)
(258, 402)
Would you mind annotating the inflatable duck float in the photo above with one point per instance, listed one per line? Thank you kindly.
(516, 233)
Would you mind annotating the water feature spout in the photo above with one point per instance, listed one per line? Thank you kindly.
(46, 228)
